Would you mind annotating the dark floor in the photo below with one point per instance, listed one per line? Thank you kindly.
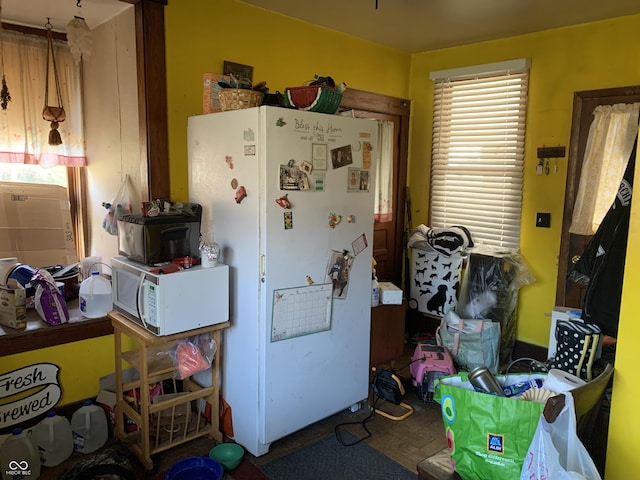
(407, 441)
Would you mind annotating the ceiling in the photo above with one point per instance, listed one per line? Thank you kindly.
(34, 13)
(421, 25)
(407, 25)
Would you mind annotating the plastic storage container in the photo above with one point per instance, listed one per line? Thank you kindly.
(19, 457)
(95, 296)
(89, 428)
(54, 439)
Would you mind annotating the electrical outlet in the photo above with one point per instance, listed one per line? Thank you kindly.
(543, 219)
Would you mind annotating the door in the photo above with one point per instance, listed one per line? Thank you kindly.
(568, 293)
(389, 236)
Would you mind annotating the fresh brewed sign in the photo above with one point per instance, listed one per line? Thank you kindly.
(42, 379)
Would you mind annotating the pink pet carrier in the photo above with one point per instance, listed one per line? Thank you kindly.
(428, 363)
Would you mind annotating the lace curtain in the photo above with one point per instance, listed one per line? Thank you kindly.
(384, 173)
(611, 137)
(24, 133)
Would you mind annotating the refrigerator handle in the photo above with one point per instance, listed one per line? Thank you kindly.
(262, 270)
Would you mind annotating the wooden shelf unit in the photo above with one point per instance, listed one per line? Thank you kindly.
(180, 417)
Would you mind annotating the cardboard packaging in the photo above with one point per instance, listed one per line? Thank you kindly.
(210, 100)
(13, 305)
(389, 294)
(35, 224)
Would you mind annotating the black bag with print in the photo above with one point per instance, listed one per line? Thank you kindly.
(578, 346)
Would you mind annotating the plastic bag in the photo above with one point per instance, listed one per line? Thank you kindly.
(472, 343)
(489, 290)
(556, 452)
(193, 354)
(48, 301)
(119, 206)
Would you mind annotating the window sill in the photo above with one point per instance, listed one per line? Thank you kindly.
(39, 334)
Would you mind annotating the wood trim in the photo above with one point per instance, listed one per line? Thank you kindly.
(375, 102)
(152, 98)
(40, 32)
(49, 336)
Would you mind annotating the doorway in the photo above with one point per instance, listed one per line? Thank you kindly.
(568, 293)
(389, 237)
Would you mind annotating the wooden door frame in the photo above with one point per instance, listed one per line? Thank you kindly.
(582, 101)
(373, 102)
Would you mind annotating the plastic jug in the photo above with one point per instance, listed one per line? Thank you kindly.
(54, 439)
(95, 296)
(19, 457)
(89, 428)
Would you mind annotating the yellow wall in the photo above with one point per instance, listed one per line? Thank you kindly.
(201, 34)
(81, 365)
(624, 427)
(563, 61)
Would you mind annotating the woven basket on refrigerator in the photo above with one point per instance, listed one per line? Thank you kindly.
(314, 98)
(239, 98)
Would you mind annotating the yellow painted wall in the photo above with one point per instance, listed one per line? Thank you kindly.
(201, 34)
(624, 426)
(599, 55)
(81, 365)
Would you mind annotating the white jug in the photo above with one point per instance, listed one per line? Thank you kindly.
(19, 457)
(89, 428)
(54, 439)
(95, 296)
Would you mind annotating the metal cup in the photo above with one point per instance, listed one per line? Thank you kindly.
(482, 379)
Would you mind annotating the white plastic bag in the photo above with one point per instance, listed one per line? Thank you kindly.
(556, 452)
(119, 206)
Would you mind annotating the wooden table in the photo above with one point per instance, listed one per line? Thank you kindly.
(175, 420)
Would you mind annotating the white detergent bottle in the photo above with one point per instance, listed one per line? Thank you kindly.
(95, 296)
(19, 458)
(54, 439)
(89, 428)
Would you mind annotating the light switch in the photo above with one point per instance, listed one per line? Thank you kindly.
(543, 219)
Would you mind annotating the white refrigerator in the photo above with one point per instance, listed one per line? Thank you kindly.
(288, 196)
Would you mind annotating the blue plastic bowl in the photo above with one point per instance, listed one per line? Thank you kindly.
(195, 468)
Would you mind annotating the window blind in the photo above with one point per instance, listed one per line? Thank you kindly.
(478, 155)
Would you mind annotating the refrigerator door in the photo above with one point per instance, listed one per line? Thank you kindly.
(308, 376)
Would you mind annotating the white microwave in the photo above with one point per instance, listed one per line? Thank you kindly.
(168, 303)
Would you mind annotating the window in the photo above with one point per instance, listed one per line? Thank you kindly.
(25, 153)
(478, 150)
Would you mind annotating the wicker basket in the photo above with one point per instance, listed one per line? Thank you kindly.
(314, 98)
(239, 98)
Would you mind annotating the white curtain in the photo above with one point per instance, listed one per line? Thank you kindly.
(24, 134)
(611, 137)
(384, 173)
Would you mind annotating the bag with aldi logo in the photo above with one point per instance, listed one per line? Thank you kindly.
(488, 436)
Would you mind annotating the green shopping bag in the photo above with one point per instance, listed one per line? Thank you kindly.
(488, 436)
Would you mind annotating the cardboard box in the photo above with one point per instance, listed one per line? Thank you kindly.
(35, 224)
(13, 305)
(390, 294)
(210, 100)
